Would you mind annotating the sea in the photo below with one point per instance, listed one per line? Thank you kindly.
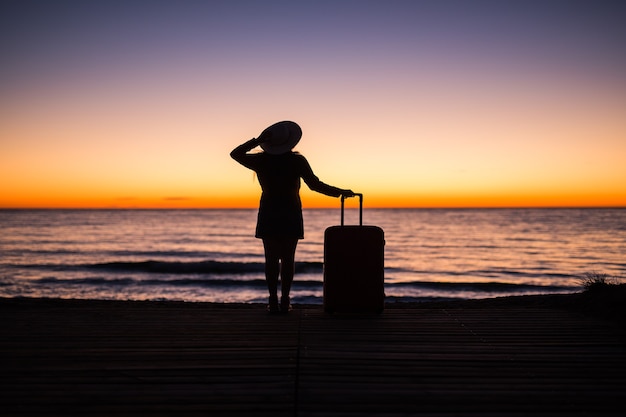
(212, 255)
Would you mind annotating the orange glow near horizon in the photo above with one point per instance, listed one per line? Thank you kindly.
(313, 202)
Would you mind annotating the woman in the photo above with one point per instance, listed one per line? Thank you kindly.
(279, 221)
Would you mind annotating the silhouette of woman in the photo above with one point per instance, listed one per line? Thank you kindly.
(279, 221)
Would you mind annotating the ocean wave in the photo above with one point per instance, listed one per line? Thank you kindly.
(169, 267)
(123, 253)
(216, 283)
(442, 287)
(483, 286)
(201, 267)
(487, 273)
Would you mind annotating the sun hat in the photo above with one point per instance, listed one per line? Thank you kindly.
(280, 137)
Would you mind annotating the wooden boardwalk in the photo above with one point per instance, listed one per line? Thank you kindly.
(177, 359)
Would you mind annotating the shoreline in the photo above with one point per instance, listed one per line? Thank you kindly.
(608, 304)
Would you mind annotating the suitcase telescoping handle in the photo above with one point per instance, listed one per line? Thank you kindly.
(343, 197)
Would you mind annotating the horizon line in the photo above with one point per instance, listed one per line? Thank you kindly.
(331, 208)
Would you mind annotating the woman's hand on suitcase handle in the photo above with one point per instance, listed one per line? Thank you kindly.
(347, 193)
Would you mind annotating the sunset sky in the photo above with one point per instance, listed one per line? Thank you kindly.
(413, 103)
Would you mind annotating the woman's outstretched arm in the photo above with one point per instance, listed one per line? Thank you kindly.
(314, 183)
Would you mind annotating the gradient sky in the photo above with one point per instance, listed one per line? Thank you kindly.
(413, 103)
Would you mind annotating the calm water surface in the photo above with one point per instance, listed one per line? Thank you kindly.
(211, 255)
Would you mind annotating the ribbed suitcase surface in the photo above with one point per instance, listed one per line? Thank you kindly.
(354, 267)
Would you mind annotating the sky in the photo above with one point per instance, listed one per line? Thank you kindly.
(442, 103)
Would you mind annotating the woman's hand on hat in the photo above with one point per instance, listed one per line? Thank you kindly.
(264, 137)
(259, 140)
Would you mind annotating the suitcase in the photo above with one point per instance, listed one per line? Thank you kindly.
(354, 266)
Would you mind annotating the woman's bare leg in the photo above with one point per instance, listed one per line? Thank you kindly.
(272, 270)
(287, 267)
(280, 260)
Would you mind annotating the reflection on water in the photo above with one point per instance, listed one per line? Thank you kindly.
(61, 253)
